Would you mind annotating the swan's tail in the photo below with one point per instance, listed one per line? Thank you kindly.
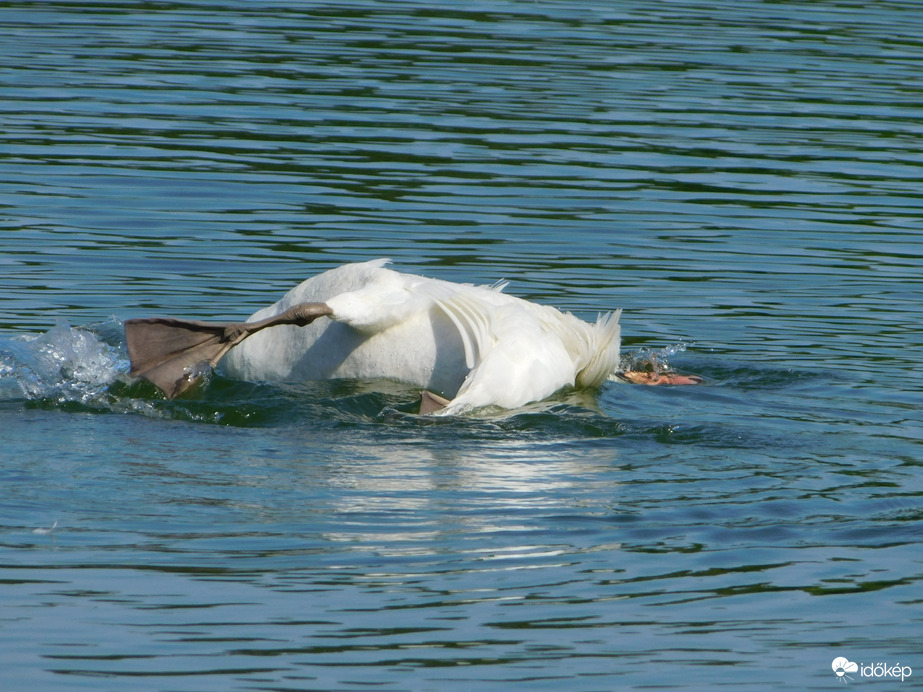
(605, 338)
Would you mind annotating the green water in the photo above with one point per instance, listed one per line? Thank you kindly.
(743, 179)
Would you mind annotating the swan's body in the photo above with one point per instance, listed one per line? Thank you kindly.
(473, 345)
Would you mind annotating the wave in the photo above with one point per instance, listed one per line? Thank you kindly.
(85, 369)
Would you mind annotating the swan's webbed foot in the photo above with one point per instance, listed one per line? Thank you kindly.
(431, 403)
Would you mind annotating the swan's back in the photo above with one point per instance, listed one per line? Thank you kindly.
(472, 344)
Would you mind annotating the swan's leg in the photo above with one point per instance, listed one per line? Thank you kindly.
(172, 353)
(430, 402)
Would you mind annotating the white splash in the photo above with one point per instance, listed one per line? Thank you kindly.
(43, 532)
(651, 360)
(65, 363)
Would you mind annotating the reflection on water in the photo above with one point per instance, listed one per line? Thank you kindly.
(396, 556)
(512, 475)
(742, 178)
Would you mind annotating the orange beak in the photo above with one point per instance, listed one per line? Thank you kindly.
(637, 377)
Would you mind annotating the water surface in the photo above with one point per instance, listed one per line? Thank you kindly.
(742, 178)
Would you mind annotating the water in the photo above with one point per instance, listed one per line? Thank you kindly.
(742, 178)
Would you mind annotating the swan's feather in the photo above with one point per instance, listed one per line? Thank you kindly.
(474, 344)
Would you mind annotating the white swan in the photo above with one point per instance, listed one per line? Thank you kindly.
(473, 345)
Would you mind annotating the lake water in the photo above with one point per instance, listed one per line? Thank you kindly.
(743, 178)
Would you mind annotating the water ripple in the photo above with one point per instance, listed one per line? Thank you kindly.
(742, 178)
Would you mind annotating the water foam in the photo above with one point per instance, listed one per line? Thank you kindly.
(64, 364)
(651, 360)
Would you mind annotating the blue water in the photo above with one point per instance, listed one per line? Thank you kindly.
(743, 179)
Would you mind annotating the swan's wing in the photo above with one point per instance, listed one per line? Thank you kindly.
(471, 315)
(388, 298)
(472, 310)
(527, 364)
(513, 350)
